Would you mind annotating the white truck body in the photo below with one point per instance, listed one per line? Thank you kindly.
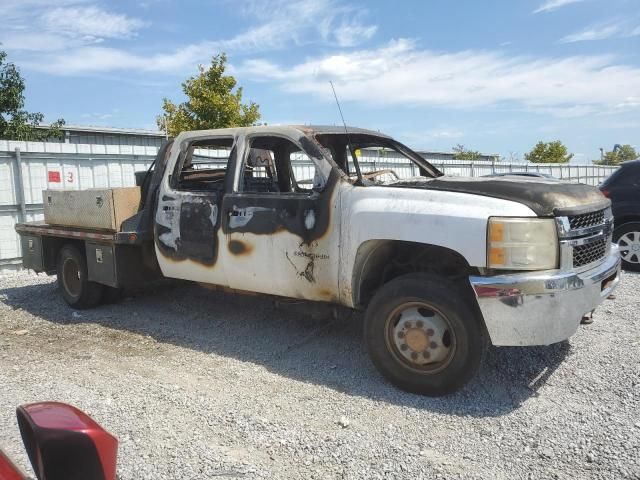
(521, 259)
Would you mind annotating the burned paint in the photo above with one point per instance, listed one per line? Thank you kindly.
(198, 222)
(306, 215)
(187, 226)
(237, 247)
(545, 197)
(240, 217)
(288, 220)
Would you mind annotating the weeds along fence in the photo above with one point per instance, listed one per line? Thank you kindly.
(28, 168)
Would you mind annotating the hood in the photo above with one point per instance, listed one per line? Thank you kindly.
(545, 197)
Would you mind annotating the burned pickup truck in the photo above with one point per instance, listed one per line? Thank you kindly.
(441, 265)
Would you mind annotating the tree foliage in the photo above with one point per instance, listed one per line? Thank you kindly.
(460, 152)
(619, 154)
(549, 152)
(211, 102)
(15, 122)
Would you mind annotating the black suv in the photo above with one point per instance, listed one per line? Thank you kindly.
(623, 188)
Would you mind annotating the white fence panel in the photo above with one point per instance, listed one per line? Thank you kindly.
(42, 170)
(9, 240)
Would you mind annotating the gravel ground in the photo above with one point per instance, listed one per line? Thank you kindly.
(198, 384)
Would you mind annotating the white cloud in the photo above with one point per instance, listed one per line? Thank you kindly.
(445, 133)
(620, 28)
(97, 116)
(33, 41)
(629, 102)
(599, 32)
(297, 23)
(33, 26)
(401, 74)
(98, 59)
(350, 34)
(301, 22)
(13, 10)
(551, 5)
(90, 21)
(427, 138)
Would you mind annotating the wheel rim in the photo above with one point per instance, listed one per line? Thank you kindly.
(71, 277)
(420, 337)
(629, 244)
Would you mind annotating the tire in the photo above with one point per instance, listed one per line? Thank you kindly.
(445, 337)
(73, 282)
(627, 236)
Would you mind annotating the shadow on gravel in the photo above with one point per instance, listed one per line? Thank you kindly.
(326, 353)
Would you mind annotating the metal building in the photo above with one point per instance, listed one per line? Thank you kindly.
(89, 135)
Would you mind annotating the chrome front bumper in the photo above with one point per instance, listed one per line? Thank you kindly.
(540, 308)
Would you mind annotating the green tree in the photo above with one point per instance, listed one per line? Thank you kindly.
(211, 103)
(549, 152)
(460, 152)
(619, 154)
(15, 122)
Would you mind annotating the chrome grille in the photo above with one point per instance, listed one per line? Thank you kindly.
(587, 220)
(585, 239)
(589, 253)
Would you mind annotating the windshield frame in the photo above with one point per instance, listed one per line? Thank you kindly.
(353, 140)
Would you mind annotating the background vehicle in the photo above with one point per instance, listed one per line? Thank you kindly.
(63, 443)
(441, 265)
(623, 189)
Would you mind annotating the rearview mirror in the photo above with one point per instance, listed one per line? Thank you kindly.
(63, 443)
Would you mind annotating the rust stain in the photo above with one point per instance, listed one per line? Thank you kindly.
(328, 295)
(237, 247)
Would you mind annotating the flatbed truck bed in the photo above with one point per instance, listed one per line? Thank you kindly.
(115, 259)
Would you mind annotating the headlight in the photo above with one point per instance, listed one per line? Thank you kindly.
(522, 243)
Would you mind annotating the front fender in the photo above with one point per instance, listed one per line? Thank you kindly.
(453, 220)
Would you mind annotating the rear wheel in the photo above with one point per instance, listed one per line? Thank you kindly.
(423, 334)
(73, 281)
(627, 236)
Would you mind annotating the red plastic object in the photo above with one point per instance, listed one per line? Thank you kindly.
(8, 471)
(605, 193)
(54, 176)
(51, 423)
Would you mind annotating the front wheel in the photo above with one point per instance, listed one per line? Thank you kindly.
(627, 236)
(423, 334)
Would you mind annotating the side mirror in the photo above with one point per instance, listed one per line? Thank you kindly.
(8, 471)
(64, 443)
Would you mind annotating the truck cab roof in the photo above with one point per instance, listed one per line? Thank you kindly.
(290, 130)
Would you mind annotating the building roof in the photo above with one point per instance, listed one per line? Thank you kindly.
(98, 129)
(318, 129)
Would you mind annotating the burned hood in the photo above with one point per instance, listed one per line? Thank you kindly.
(544, 197)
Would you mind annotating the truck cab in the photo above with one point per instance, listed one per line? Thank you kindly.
(441, 266)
